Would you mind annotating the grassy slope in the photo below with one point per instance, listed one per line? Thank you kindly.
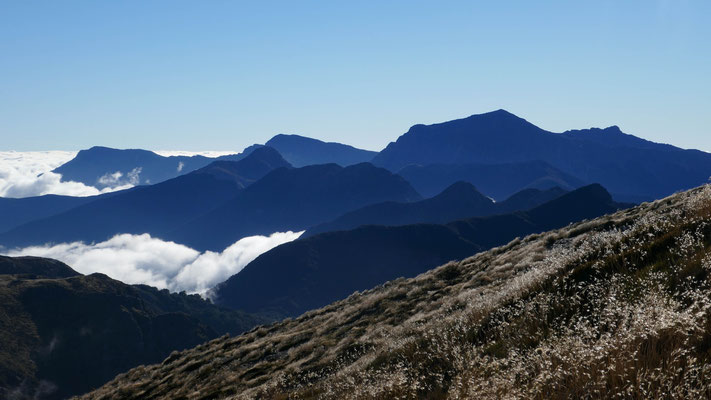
(615, 307)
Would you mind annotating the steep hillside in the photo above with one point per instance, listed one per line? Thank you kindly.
(156, 209)
(312, 272)
(617, 307)
(293, 200)
(460, 200)
(64, 333)
(632, 169)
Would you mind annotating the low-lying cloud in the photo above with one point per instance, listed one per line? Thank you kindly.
(144, 259)
(25, 174)
(119, 179)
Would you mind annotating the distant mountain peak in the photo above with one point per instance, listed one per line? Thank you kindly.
(461, 189)
(249, 169)
(595, 190)
(301, 151)
(501, 112)
(493, 122)
(265, 153)
(498, 114)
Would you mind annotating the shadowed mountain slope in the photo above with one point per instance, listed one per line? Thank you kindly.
(616, 307)
(631, 168)
(496, 180)
(293, 199)
(460, 200)
(156, 209)
(16, 212)
(64, 333)
(312, 272)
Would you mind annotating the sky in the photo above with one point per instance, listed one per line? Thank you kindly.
(220, 75)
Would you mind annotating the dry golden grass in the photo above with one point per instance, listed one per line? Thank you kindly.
(618, 307)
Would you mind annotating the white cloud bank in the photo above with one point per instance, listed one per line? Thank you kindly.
(28, 173)
(166, 265)
(25, 174)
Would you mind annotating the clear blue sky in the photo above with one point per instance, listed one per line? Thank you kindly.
(219, 75)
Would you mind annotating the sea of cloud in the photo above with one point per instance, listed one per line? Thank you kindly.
(29, 173)
(144, 259)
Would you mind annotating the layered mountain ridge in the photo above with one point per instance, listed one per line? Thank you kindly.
(157, 209)
(632, 169)
(312, 272)
(460, 200)
(294, 199)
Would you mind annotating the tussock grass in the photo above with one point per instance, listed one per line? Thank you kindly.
(617, 307)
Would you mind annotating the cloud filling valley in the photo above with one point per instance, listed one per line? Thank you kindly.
(135, 259)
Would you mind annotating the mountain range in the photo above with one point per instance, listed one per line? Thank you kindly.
(632, 169)
(549, 281)
(498, 181)
(293, 199)
(156, 209)
(497, 152)
(460, 200)
(315, 271)
(103, 167)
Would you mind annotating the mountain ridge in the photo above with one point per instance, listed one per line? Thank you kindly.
(632, 168)
(311, 272)
(292, 199)
(155, 209)
(459, 200)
